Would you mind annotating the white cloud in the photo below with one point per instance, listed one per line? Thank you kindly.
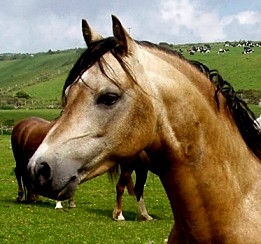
(248, 17)
(55, 29)
(202, 22)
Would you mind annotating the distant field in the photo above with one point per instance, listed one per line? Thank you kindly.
(18, 114)
(42, 76)
(241, 70)
(36, 68)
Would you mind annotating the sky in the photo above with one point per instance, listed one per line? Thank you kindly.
(31, 26)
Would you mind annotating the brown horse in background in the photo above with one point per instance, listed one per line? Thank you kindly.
(124, 97)
(26, 137)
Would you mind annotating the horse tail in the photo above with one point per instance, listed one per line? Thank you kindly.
(114, 172)
(130, 187)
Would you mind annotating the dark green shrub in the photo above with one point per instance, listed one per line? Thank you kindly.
(22, 94)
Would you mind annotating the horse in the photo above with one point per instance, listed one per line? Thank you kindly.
(125, 96)
(26, 137)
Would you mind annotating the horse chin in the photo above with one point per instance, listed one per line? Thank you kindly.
(69, 189)
(63, 194)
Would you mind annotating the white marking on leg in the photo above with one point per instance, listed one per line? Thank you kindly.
(58, 205)
(143, 211)
(118, 217)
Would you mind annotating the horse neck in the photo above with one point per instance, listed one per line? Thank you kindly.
(209, 189)
(205, 166)
(179, 74)
(207, 203)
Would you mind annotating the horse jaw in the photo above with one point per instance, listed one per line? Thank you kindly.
(89, 35)
(94, 172)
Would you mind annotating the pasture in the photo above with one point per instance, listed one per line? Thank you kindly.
(237, 68)
(90, 222)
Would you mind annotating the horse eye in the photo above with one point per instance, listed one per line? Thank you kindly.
(108, 99)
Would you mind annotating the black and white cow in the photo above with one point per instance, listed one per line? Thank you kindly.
(247, 50)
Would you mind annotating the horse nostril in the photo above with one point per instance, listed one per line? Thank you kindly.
(44, 172)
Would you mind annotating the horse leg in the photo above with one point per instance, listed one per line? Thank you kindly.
(141, 171)
(20, 193)
(143, 211)
(71, 203)
(124, 180)
(18, 171)
(30, 195)
(58, 205)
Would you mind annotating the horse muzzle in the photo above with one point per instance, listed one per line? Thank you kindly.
(53, 178)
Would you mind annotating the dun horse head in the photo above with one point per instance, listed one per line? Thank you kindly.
(95, 129)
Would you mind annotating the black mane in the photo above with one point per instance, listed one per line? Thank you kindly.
(242, 115)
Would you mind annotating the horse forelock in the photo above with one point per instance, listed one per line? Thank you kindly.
(90, 56)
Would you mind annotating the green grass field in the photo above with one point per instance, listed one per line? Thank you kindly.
(90, 222)
(42, 77)
(240, 70)
(39, 67)
(19, 114)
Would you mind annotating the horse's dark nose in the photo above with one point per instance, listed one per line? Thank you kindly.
(43, 172)
(53, 178)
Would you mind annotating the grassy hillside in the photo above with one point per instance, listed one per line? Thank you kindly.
(36, 68)
(241, 70)
(41, 76)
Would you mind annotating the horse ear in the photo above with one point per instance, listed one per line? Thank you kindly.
(88, 34)
(125, 43)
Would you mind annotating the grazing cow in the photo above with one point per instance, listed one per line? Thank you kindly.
(205, 50)
(221, 51)
(247, 50)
